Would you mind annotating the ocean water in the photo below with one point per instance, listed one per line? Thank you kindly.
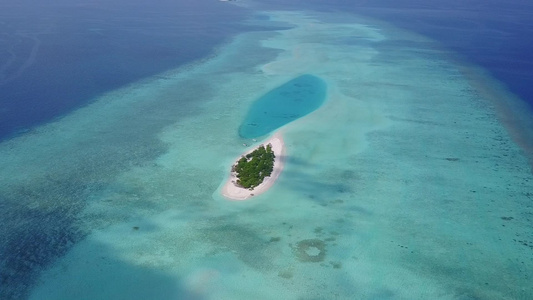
(409, 181)
(492, 34)
(282, 105)
(57, 56)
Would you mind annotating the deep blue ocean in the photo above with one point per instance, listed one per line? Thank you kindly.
(493, 34)
(56, 56)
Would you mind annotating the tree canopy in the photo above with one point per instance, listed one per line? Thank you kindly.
(254, 167)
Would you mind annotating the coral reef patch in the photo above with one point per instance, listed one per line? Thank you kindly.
(312, 250)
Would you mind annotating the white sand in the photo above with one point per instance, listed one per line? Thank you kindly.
(234, 192)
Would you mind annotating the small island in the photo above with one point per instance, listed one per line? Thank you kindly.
(256, 170)
(253, 167)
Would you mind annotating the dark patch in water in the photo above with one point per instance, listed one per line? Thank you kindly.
(336, 264)
(452, 159)
(243, 241)
(33, 239)
(287, 274)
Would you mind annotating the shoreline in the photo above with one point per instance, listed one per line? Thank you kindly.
(232, 192)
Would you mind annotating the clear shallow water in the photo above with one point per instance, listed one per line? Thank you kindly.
(402, 185)
(282, 105)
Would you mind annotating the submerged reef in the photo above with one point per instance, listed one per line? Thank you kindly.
(312, 250)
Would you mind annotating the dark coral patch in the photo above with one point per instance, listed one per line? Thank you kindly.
(452, 159)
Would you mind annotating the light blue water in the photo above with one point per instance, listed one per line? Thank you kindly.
(282, 105)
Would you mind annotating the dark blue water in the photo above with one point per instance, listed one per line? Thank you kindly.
(56, 56)
(494, 34)
(284, 104)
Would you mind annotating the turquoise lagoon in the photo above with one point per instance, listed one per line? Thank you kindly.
(403, 184)
(284, 104)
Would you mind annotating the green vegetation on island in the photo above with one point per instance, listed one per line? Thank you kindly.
(254, 167)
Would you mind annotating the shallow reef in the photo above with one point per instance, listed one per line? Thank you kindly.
(312, 250)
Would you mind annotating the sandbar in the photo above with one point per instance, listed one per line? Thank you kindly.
(233, 192)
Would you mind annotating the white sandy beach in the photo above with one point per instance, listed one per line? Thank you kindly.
(234, 192)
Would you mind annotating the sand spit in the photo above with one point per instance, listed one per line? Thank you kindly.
(233, 192)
